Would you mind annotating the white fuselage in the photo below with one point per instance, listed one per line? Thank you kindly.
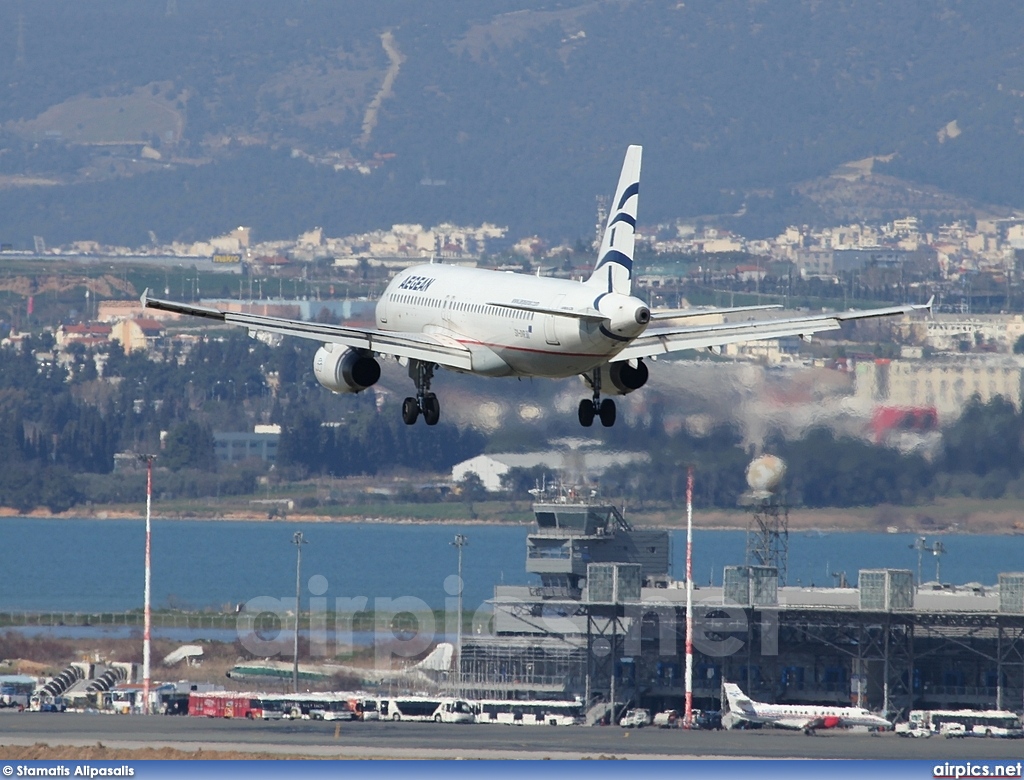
(450, 302)
(780, 713)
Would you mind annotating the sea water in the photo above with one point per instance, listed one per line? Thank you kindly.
(91, 565)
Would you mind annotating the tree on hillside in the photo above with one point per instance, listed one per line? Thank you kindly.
(189, 445)
(986, 438)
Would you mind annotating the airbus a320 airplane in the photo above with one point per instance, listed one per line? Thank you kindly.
(499, 323)
(808, 717)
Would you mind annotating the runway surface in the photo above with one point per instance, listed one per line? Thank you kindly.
(430, 740)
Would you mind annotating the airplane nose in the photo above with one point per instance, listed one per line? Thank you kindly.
(642, 315)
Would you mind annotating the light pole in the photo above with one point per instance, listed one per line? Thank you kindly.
(920, 546)
(147, 616)
(688, 678)
(938, 548)
(461, 540)
(298, 541)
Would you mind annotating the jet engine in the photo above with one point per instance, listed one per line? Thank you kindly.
(620, 378)
(345, 370)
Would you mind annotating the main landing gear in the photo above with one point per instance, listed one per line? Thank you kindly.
(589, 409)
(425, 401)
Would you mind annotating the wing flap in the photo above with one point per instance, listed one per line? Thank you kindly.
(680, 314)
(415, 346)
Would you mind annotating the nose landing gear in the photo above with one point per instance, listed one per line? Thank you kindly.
(425, 401)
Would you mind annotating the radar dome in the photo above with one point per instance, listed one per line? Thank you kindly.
(764, 474)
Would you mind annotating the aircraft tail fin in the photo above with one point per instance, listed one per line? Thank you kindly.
(738, 700)
(614, 269)
(439, 659)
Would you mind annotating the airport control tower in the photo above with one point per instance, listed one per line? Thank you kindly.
(561, 638)
(572, 534)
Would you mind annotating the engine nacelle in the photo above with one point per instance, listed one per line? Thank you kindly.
(345, 370)
(620, 378)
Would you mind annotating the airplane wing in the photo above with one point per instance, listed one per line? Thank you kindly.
(812, 723)
(800, 724)
(659, 341)
(678, 314)
(417, 346)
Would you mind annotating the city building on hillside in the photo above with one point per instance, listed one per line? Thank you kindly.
(945, 385)
(814, 262)
(136, 334)
(86, 334)
(960, 333)
(261, 444)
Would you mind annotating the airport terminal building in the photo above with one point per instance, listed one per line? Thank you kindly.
(607, 624)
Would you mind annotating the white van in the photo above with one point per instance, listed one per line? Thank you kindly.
(636, 719)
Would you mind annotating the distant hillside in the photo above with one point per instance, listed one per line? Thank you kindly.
(186, 118)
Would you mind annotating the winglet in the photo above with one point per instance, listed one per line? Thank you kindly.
(144, 300)
(928, 306)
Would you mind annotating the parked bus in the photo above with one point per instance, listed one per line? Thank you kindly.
(439, 710)
(319, 706)
(220, 704)
(16, 690)
(530, 713)
(265, 707)
(368, 709)
(334, 707)
(976, 723)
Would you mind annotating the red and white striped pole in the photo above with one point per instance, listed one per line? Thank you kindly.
(147, 618)
(688, 717)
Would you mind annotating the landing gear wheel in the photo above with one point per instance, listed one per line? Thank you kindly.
(431, 409)
(607, 412)
(410, 411)
(586, 412)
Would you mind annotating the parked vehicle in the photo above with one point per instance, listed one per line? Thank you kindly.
(636, 719)
(708, 720)
(442, 709)
(368, 709)
(953, 730)
(977, 723)
(529, 713)
(669, 719)
(16, 691)
(912, 729)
